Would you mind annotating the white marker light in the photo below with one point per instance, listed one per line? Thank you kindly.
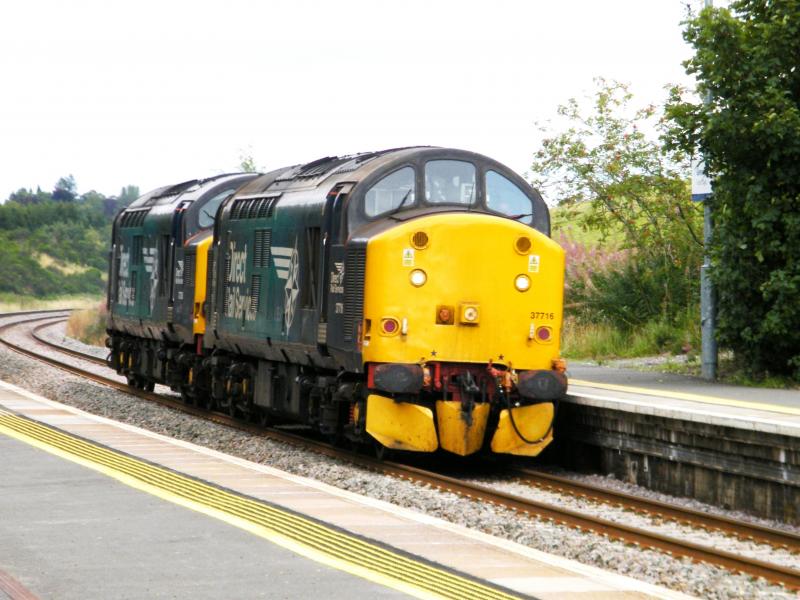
(470, 314)
(418, 277)
(522, 283)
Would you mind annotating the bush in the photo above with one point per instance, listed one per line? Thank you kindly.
(749, 134)
(624, 288)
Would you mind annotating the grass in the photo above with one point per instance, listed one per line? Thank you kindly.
(602, 341)
(89, 325)
(15, 302)
(564, 221)
(45, 261)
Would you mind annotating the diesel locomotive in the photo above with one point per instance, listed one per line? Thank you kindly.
(410, 299)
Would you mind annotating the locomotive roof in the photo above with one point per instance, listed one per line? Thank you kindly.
(185, 191)
(317, 172)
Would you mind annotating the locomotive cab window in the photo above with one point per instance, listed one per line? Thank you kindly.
(208, 212)
(396, 190)
(449, 182)
(505, 197)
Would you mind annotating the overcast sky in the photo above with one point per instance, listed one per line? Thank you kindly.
(151, 93)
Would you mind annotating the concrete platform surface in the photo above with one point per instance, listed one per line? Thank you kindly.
(684, 397)
(73, 531)
(69, 532)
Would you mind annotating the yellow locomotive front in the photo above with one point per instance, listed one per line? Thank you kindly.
(461, 334)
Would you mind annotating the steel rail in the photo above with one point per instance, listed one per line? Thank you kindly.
(640, 537)
(681, 514)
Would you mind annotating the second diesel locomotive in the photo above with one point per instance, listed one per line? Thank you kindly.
(411, 298)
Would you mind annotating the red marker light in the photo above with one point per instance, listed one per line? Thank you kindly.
(390, 326)
(543, 333)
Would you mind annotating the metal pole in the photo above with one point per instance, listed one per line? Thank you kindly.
(708, 304)
(708, 300)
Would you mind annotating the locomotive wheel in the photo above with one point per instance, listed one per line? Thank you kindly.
(262, 417)
(382, 452)
(147, 386)
(232, 410)
(188, 395)
(204, 400)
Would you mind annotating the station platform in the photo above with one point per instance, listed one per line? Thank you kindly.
(774, 411)
(96, 508)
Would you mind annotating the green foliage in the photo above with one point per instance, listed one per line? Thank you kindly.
(749, 134)
(613, 179)
(51, 248)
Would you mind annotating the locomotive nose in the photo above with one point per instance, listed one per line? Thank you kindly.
(463, 287)
(470, 304)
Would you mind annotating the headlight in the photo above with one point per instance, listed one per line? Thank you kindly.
(418, 277)
(522, 283)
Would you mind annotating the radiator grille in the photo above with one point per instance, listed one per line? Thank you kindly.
(355, 266)
(253, 208)
(134, 218)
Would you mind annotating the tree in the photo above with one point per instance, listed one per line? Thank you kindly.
(748, 132)
(614, 178)
(66, 189)
(247, 163)
(128, 194)
(26, 196)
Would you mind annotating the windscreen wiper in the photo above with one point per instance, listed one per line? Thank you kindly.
(402, 202)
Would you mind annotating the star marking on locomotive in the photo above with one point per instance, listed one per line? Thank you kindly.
(287, 266)
(500, 357)
(433, 352)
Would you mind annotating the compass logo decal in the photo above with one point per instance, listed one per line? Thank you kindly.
(287, 266)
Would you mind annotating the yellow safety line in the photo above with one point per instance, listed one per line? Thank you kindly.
(303, 536)
(787, 410)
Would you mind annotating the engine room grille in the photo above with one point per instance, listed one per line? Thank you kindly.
(188, 270)
(255, 293)
(138, 253)
(355, 266)
(211, 279)
(225, 283)
(263, 245)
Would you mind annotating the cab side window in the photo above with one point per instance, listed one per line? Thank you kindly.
(208, 212)
(395, 190)
(505, 197)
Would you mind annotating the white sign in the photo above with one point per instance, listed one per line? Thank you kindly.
(701, 184)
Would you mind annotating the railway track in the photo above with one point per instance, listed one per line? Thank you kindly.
(642, 537)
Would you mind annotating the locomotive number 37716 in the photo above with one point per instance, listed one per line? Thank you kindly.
(543, 315)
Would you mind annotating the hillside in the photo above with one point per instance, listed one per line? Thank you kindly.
(54, 244)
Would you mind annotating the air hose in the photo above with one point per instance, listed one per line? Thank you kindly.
(519, 433)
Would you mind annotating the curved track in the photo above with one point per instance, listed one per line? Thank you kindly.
(774, 573)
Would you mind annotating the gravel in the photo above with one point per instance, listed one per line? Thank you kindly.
(698, 579)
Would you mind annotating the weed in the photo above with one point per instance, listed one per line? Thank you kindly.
(89, 325)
